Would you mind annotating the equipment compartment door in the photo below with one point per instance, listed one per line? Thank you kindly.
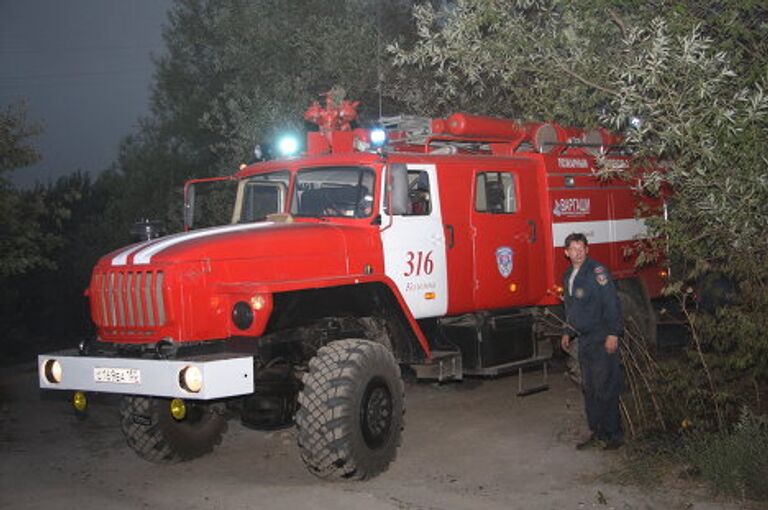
(509, 266)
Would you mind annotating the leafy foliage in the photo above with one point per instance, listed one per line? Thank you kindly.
(525, 59)
(15, 130)
(704, 114)
(25, 243)
(709, 124)
(42, 268)
(735, 463)
(238, 71)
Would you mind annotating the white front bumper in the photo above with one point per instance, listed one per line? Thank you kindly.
(223, 375)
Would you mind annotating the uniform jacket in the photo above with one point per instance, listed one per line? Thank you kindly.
(593, 308)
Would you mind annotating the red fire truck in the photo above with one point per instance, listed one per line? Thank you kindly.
(436, 247)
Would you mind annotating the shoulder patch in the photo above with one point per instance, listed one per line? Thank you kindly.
(599, 269)
(602, 279)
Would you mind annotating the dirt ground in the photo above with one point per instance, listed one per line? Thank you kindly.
(473, 445)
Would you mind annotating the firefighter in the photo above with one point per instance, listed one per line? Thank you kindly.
(593, 314)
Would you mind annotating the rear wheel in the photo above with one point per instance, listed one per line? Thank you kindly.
(639, 326)
(351, 410)
(155, 435)
(639, 319)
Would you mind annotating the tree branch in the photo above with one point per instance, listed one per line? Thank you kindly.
(618, 22)
(585, 81)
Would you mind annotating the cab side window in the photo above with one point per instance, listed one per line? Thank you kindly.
(495, 192)
(419, 198)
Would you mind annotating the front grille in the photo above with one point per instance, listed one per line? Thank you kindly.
(128, 299)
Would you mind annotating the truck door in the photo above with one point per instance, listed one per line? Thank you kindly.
(414, 245)
(509, 266)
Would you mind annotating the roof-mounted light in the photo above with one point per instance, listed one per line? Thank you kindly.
(288, 146)
(378, 137)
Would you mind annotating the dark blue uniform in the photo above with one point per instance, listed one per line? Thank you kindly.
(593, 312)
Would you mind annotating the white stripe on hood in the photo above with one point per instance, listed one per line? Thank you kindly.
(142, 253)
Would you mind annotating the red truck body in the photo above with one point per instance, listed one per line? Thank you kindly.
(223, 265)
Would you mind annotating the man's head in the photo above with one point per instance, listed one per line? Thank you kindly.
(576, 248)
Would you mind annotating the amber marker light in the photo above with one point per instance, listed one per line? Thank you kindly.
(258, 302)
(513, 287)
(429, 295)
(79, 401)
(178, 409)
(664, 273)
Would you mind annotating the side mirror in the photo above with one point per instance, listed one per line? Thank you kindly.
(212, 202)
(189, 206)
(397, 190)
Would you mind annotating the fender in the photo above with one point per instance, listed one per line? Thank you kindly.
(268, 291)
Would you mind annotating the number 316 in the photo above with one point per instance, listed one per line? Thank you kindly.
(419, 263)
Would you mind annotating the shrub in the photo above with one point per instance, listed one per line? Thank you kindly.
(736, 462)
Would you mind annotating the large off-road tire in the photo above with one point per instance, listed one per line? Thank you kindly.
(158, 437)
(351, 410)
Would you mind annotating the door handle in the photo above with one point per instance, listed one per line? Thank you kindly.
(449, 229)
(532, 238)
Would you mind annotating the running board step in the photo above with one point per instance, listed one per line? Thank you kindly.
(444, 366)
(519, 366)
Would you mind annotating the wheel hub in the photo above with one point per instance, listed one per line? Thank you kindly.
(376, 413)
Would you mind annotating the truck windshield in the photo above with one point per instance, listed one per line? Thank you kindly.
(261, 195)
(340, 191)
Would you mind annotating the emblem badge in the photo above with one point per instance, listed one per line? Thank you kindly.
(579, 293)
(557, 211)
(504, 260)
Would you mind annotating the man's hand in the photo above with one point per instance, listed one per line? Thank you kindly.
(611, 344)
(565, 342)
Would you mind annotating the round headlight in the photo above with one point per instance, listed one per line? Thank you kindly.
(191, 379)
(242, 315)
(53, 371)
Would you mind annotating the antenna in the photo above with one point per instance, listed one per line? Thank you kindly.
(378, 54)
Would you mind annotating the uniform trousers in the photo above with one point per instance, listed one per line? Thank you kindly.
(601, 382)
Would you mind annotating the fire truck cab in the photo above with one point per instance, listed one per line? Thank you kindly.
(439, 249)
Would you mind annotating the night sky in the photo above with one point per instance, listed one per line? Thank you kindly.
(84, 67)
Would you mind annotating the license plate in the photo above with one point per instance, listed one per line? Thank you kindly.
(117, 375)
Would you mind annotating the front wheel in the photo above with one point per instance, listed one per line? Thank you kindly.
(351, 410)
(155, 435)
